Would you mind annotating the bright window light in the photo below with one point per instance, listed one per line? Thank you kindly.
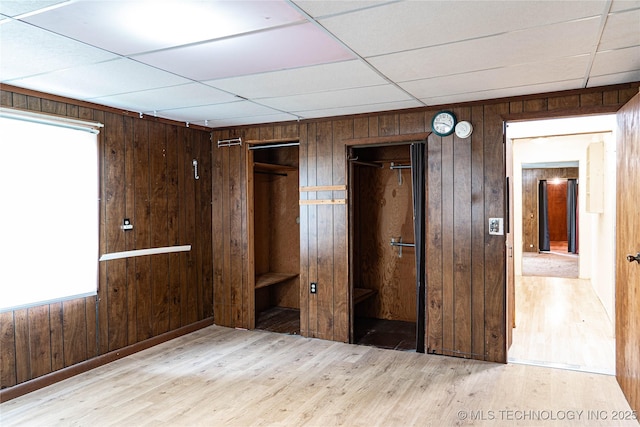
(49, 213)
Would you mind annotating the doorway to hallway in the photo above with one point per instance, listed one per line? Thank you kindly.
(563, 315)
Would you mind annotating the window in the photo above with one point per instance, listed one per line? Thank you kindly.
(49, 209)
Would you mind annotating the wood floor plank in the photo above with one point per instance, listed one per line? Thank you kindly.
(561, 322)
(224, 376)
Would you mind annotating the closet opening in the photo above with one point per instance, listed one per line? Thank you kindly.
(274, 206)
(382, 276)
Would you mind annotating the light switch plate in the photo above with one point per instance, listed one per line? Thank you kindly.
(496, 226)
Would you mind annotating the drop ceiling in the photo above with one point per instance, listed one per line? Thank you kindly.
(229, 63)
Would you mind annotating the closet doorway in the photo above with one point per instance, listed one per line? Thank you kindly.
(274, 215)
(384, 311)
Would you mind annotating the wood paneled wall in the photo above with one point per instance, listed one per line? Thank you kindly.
(530, 179)
(466, 302)
(146, 176)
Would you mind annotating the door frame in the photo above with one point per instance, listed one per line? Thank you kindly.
(509, 162)
(364, 143)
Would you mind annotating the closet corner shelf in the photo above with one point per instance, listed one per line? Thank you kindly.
(362, 294)
(268, 279)
(269, 167)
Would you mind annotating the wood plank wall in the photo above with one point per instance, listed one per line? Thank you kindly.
(146, 176)
(466, 267)
(530, 179)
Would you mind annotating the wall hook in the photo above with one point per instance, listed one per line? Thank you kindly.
(195, 169)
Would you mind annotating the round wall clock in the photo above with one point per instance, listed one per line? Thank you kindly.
(464, 129)
(443, 123)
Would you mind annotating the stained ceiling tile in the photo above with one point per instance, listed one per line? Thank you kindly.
(128, 27)
(26, 50)
(318, 78)
(105, 78)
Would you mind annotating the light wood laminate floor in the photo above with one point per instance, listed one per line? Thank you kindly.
(224, 377)
(561, 322)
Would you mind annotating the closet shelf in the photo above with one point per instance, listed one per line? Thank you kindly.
(268, 279)
(362, 294)
(270, 167)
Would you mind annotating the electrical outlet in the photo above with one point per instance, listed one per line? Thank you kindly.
(314, 288)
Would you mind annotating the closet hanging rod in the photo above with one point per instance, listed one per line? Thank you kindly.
(393, 166)
(411, 245)
(365, 163)
(286, 144)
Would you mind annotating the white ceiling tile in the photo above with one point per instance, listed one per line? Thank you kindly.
(518, 47)
(249, 120)
(503, 92)
(336, 99)
(618, 5)
(26, 50)
(187, 95)
(360, 109)
(15, 7)
(320, 8)
(414, 24)
(508, 77)
(615, 61)
(105, 78)
(218, 111)
(276, 49)
(612, 79)
(318, 78)
(135, 26)
(442, 51)
(622, 30)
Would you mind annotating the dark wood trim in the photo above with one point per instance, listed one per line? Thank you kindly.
(100, 107)
(385, 140)
(562, 113)
(271, 141)
(79, 368)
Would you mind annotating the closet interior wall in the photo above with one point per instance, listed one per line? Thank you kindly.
(383, 210)
(276, 226)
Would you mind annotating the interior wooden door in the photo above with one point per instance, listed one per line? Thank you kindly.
(511, 292)
(628, 252)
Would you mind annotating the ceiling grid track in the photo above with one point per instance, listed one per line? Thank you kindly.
(594, 51)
